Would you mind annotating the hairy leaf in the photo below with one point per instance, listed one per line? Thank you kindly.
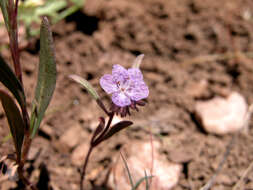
(46, 76)
(86, 85)
(116, 128)
(137, 61)
(15, 120)
(9, 79)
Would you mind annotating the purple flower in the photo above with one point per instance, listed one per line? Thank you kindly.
(126, 86)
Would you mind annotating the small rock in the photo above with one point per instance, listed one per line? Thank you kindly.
(54, 186)
(61, 147)
(180, 156)
(222, 115)
(66, 171)
(35, 175)
(73, 136)
(166, 174)
(6, 185)
(86, 115)
(225, 179)
(92, 7)
(47, 130)
(94, 173)
(79, 153)
(197, 89)
(33, 153)
(247, 14)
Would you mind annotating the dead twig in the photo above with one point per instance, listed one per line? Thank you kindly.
(238, 185)
(211, 181)
(245, 124)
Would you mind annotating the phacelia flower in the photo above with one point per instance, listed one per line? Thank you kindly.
(126, 86)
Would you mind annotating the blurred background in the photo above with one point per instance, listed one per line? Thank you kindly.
(195, 51)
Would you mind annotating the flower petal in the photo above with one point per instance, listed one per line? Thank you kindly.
(107, 83)
(119, 74)
(120, 99)
(138, 90)
(135, 73)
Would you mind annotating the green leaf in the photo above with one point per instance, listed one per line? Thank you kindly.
(65, 13)
(46, 76)
(78, 3)
(10, 81)
(86, 85)
(51, 7)
(116, 128)
(146, 180)
(4, 7)
(141, 180)
(31, 11)
(128, 171)
(15, 120)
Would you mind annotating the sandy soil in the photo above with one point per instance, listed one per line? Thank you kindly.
(179, 39)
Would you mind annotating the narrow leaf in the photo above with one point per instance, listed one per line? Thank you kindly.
(146, 180)
(15, 120)
(141, 180)
(46, 76)
(137, 61)
(86, 85)
(9, 10)
(116, 128)
(128, 171)
(4, 7)
(10, 81)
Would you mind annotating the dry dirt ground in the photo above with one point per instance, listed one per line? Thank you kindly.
(179, 40)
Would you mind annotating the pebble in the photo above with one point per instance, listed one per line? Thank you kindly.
(166, 174)
(73, 136)
(78, 155)
(47, 130)
(222, 115)
(197, 89)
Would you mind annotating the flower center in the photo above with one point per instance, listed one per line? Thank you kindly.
(118, 84)
(123, 86)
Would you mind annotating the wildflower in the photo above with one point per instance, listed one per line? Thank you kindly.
(126, 87)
